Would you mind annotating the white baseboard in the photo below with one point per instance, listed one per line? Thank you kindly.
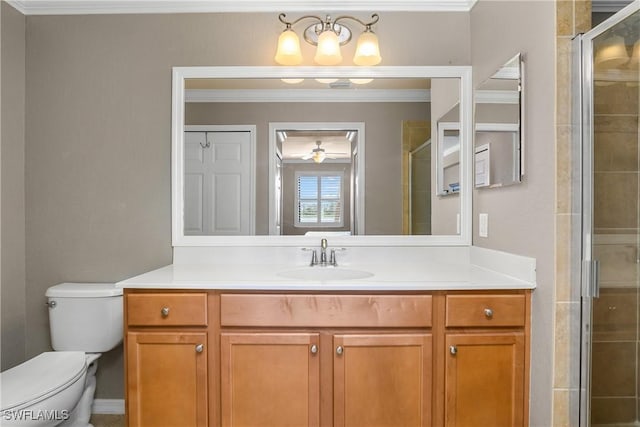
(108, 406)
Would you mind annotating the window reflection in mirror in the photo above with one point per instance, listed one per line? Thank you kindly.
(317, 180)
(389, 190)
(498, 141)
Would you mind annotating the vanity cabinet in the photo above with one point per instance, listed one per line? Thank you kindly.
(382, 379)
(270, 379)
(233, 358)
(486, 355)
(166, 352)
(341, 360)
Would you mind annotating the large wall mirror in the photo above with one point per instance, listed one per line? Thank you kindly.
(498, 140)
(282, 156)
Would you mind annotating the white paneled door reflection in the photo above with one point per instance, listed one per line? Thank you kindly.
(217, 184)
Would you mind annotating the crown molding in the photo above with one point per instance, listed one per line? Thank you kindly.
(307, 95)
(93, 7)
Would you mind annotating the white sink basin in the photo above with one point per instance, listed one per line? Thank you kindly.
(325, 274)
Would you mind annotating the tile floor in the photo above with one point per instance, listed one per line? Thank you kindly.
(104, 420)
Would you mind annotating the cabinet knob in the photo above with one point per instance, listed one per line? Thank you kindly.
(164, 311)
(314, 349)
(199, 348)
(339, 350)
(453, 350)
(488, 313)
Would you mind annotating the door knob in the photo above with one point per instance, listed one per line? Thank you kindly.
(314, 349)
(488, 313)
(339, 350)
(199, 348)
(164, 311)
(453, 350)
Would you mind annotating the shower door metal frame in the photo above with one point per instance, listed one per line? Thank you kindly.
(421, 147)
(583, 143)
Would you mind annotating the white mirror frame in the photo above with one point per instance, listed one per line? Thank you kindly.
(177, 152)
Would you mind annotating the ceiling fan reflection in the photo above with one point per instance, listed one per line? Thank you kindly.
(318, 154)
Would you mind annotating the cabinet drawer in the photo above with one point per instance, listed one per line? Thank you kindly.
(167, 309)
(485, 310)
(326, 310)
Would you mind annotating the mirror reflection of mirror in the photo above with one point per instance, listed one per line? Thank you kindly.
(498, 141)
(449, 152)
(394, 200)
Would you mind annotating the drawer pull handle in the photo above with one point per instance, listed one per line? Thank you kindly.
(164, 311)
(314, 349)
(488, 313)
(199, 348)
(339, 350)
(453, 350)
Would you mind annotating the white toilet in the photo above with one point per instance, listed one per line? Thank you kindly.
(56, 388)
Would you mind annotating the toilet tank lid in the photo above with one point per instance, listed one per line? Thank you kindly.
(84, 290)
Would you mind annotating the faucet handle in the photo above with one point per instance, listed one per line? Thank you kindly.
(323, 243)
(314, 256)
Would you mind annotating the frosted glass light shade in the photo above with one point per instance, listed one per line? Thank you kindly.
(319, 156)
(328, 51)
(360, 81)
(611, 54)
(288, 52)
(326, 81)
(367, 50)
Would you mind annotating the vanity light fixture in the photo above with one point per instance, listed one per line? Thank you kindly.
(319, 156)
(328, 35)
(612, 53)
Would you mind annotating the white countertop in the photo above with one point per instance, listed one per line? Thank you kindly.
(425, 276)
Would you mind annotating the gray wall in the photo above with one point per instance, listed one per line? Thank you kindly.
(12, 193)
(521, 217)
(383, 142)
(98, 97)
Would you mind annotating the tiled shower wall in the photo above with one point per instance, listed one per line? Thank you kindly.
(615, 356)
(615, 352)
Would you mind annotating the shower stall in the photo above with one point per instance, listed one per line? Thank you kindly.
(606, 64)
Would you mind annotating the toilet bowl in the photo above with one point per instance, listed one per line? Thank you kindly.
(57, 388)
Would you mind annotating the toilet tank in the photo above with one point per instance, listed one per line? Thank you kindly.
(85, 316)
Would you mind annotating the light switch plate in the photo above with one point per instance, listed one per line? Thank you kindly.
(483, 229)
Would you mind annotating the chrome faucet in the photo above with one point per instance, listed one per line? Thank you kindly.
(323, 255)
(323, 252)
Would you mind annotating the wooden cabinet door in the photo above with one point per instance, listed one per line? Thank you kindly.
(270, 379)
(484, 380)
(167, 379)
(382, 380)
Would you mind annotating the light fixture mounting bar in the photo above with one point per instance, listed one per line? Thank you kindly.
(313, 31)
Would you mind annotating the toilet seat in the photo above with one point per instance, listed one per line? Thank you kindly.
(40, 377)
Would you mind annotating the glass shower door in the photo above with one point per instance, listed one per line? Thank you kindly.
(610, 61)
